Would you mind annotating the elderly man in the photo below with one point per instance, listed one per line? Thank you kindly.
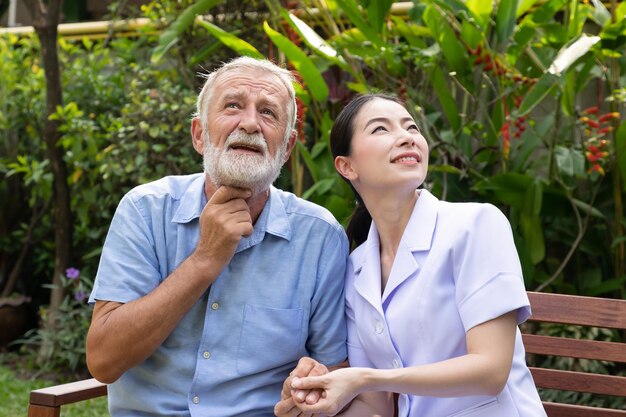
(212, 286)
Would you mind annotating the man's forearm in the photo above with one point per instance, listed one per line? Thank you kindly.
(124, 335)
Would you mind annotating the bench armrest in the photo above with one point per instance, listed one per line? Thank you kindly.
(47, 402)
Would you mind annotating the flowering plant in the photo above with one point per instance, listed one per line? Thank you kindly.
(65, 352)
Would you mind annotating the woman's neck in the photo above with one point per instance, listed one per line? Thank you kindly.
(391, 214)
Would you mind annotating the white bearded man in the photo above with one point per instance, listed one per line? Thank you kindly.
(213, 287)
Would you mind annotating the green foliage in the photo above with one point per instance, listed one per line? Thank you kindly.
(512, 99)
(124, 122)
(522, 103)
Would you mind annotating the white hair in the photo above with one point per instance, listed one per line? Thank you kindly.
(247, 63)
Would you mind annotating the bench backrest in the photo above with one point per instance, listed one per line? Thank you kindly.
(580, 311)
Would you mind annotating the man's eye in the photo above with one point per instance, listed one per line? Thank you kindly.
(267, 112)
(232, 105)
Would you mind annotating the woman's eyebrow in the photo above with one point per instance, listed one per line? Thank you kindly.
(386, 120)
(376, 120)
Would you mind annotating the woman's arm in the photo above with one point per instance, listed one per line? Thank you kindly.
(484, 370)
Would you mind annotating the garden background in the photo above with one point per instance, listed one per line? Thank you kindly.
(523, 103)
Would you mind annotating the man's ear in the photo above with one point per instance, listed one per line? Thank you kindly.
(345, 169)
(290, 145)
(196, 135)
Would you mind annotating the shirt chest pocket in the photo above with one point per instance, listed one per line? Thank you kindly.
(270, 338)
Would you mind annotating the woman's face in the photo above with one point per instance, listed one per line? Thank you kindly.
(387, 149)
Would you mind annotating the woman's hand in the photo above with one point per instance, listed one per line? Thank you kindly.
(338, 389)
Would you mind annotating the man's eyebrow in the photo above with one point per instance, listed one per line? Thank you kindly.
(239, 95)
(236, 95)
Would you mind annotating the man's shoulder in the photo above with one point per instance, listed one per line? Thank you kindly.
(172, 186)
(297, 206)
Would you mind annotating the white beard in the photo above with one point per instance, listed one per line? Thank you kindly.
(253, 171)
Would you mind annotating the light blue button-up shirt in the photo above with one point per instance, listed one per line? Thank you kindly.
(280, 298)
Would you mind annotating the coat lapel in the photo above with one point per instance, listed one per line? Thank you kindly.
(417, 237)
(367, 279)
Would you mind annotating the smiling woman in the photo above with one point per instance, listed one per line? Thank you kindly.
(418, 278)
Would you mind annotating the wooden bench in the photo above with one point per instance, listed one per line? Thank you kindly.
(580, 311)
(547, 308)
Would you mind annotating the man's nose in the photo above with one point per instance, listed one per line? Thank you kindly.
(249, 121)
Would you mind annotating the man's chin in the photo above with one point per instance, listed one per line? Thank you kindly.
(256, 187)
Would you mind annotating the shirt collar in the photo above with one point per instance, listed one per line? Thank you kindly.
(192, 201)
(277, 221)
(273, 219)
(417, 235)
(423, 219)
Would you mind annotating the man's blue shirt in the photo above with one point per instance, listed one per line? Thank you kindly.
(279, 299)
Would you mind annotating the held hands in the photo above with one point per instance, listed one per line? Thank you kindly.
(223, 222)
(289, 397)
(338, 387)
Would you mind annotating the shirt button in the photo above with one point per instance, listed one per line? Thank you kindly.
(215, 306)
(396, 364)
(379, 327)
(206, 355)
(195, 399)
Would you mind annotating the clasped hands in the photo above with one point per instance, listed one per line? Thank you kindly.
(312, 390)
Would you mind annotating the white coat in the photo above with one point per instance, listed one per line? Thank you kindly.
(456, 267)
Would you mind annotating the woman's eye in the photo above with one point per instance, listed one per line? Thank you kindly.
(413, 127)
(379, 129)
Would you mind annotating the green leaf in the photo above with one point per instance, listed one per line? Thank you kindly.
(508, 188)
(411, 32)
(350, 8)
(534, 199)
(233, 42)
(524, 6)
(482, 11)
(451, 48)
(544, 86)
(377, 12)
(607, 286)
(316, 43)
(533, 237)
(600, 13)
(308, 161)
(445, 97)
(506, 19)
(547, 10)
(570, 162)
(301, 62)
(570, 54)
(319, 188)
(184, 21)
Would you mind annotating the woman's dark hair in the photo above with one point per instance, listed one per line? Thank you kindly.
(340, 145)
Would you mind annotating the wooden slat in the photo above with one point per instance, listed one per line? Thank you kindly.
(43, 411)
(579, 381)
(569, 410)
(68, 393)
(575, 309)
(574, 348)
